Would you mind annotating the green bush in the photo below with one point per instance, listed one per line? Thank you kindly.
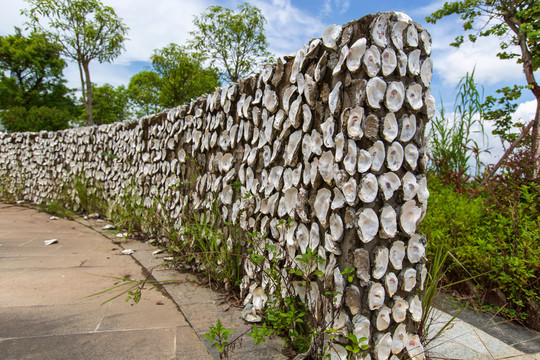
(498, 246)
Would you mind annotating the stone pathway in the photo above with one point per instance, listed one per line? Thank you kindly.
(45, 311)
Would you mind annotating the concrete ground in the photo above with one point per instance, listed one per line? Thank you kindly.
(46, 311)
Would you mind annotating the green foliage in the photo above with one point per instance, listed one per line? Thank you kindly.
(451, 141)
(498, 244)
(110, 104)
(233, 41)
(219, 336)
(176, 77)
(33, 96)
(86, 30)
(143, 92)
(35, 119)
(515, 23)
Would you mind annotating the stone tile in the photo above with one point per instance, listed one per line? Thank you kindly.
(189, 345)
(121, 345)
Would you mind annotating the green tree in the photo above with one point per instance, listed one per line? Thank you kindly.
(85, 29)
(143, 91)
(31, 72)
(517, 24)
(176, 76)
(110, 104)
(234, 42)
(32, 84)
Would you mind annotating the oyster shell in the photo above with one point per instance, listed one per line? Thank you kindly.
(320, 69)
(388, 222)
(397, 254)
(375, 90)
(334, 98)
(381, 262)
(328, 128)
(331, 35)
(408, 127)
(430, 105)
(415, 308)
(410, 186)
(394, 157)
(409, 217)
(412, 36)
(399, 339)
(383, 346)
(351, 158)
(362, 328)
(423, 192)
(416, 249)
(310, 90)
(391, 284)
(380, 29)
(340, 146)
(302, 237)
(414, 346)
(372, 61)
(397, 34)
(389, 61)
(411, 156)
(355, 55)
(414, 96)
(342, 56)
(375, 296)
(349, 191)
(368, 188)
(408, 279)
(364, 161)
(286, 99)
(326, 167)
(270, 100)
(402, 63)
(426, 72)
(399, 309)
(388, 183)
(322, 203)
(377, 155)
(354, 123)
(383, 318)
(291, 151)
(426, 40)
(395, 95)
(368, 225)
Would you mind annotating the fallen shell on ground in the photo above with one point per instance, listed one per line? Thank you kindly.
(249, 314)
(259, 299)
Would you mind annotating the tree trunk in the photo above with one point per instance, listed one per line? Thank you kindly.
(536, 138)
(88, 100)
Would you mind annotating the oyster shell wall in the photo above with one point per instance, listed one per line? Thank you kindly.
(326, 142)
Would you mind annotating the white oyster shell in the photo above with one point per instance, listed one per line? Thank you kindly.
(351, 158)
(408, 127)
(423, 192)
(412, 36)
(340, 146)
(414, 62)
(383, 346)
(389, 61)
(388, 222)
(379, 31)
(399, 309)
(270, 100)
(415, 308)
(402, 63)
(426, 72)
(381, 262)
(364, 161)
(354, 123)
(383, 318)
(372, 61)
(350, 191)
(426, 39)
(356, 54)
(399, 339)
(414, 346)
(397, 254)
(375, 91)
(391, 284)
(376, 296)
(362, 328)
(331, 35)
(408, 279)
(341, 61)
(397, 33)
(302, 237)
(411, 156)
(368, 188)
(410, 186)
(377, 155)
(414, 96)
(326, 166)
(334, 98)
(409, 217)
(368, 225)
(322, 203)
(395, 95)
(394, 157)
(415, 249)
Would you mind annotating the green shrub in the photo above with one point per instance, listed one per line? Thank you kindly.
(497, 246)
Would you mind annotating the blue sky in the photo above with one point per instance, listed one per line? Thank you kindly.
(290, 24)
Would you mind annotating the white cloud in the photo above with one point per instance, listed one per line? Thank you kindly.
(331, 6)
(288, 27)
(10, 16)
